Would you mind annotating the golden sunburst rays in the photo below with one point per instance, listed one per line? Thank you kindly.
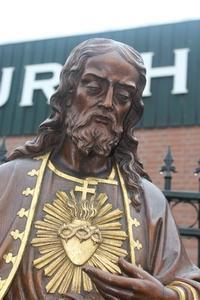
(74, 233)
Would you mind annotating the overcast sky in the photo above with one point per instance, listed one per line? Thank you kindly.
(22, 20)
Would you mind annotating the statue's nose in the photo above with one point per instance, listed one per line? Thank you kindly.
(107, 101)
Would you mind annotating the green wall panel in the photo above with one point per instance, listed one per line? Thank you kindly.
(162, 108)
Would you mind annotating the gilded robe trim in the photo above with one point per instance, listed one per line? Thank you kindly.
(5, 284)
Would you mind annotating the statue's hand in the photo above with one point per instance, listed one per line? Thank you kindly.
(135, 284)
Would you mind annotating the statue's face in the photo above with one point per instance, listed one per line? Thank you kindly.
(108, 82)
(104, 96)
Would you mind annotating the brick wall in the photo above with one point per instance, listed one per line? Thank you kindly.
(185, 146)
(153, 143)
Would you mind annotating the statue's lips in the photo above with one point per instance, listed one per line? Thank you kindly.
(102, 119)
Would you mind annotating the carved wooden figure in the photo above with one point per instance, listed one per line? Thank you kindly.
(79, 217)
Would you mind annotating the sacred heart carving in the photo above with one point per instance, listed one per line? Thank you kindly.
(79, 252)
(74, 233)
(80, 240)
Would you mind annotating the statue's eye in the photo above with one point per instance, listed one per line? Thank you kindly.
(123, 96)
(92, 86)
(93, 89)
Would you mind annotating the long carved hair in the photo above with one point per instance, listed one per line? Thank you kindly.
(51, 133)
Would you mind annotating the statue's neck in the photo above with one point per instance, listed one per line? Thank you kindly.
(70, 158)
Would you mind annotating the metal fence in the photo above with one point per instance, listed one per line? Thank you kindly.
(177, 198)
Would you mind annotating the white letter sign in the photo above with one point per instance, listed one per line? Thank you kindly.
(5, 86)
(178, 71)
(46, 85)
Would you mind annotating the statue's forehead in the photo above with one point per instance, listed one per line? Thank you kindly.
(111, 66)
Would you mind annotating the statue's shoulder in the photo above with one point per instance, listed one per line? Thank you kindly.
(16, 167)
(7, 169)
(154, 198)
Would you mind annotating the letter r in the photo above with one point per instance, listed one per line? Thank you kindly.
(46, 85)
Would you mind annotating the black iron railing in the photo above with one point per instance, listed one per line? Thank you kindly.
(193, 199)
(176, 198)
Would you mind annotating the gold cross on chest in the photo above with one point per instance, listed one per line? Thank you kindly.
(85, 189)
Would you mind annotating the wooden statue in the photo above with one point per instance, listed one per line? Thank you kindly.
(79, 217)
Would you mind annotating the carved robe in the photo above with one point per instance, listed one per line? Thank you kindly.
(53, 223)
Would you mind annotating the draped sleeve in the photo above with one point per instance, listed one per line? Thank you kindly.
(167, 259)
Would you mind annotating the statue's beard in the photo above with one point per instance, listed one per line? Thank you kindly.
(93, 135)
